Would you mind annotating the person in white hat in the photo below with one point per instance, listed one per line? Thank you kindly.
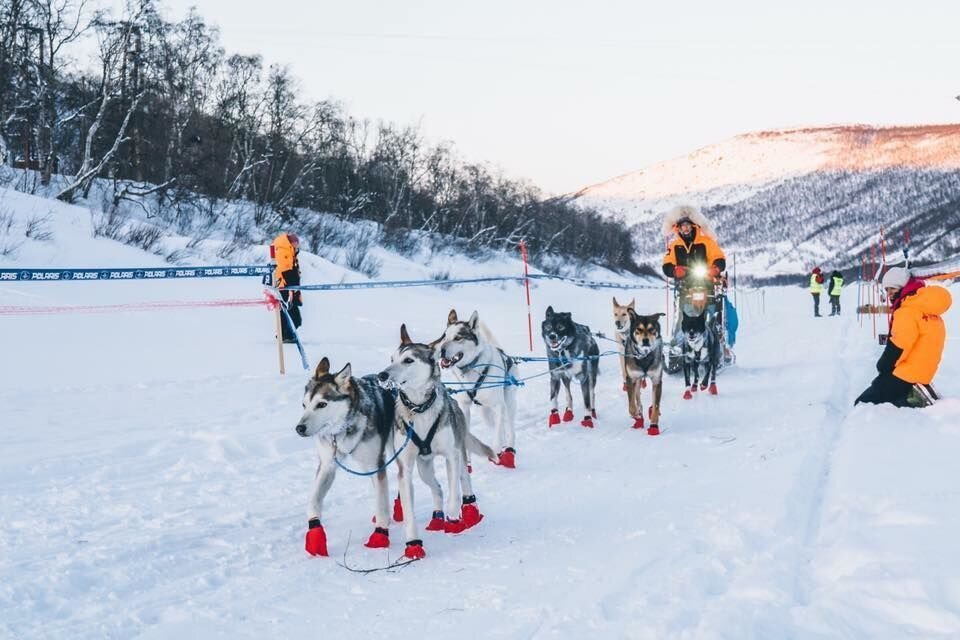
(915, 345)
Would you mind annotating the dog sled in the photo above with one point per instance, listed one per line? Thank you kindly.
(699, 295)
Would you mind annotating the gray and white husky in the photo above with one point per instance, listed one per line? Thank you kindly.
(470, 351)
(438, 428)
(573, 355)
(702, 353)
(349, 417)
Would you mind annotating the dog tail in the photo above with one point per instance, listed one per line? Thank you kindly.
(475, 445)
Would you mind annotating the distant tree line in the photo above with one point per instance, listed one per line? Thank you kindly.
(168, 110)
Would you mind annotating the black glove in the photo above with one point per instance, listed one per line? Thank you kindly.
(888, 359)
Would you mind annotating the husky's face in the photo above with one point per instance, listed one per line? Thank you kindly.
(557, 329)
(459, 342)
(621, 315)
(645, 332)
(327, 400)
(412, 365)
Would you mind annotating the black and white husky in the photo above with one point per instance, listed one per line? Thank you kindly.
(349, 417)
(643, 358)
(573, 355)
(439, 428)
(470, 351)
(701, 355)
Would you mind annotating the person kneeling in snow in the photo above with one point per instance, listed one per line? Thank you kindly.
(915, 345)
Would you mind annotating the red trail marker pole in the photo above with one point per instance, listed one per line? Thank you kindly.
(526, 282)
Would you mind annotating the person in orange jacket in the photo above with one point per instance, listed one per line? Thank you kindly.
(915, 344)
(693, 245)
(284, 249)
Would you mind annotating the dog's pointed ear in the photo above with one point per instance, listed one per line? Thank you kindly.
(323, 368)
(550, 312)
(632, 304)
(659, 315)
(451, 317)
(474, 319)
(404, 336)
(615, 303)
(343, 376)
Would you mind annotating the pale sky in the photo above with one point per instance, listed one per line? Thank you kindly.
(567, 94)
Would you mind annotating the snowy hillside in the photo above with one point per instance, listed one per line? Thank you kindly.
(154, 487)
(788, 200)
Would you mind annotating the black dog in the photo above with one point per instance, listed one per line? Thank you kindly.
(573, 354)
(701, 353)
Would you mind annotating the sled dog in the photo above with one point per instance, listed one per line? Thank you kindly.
(643, 354)
(348, 417)
(573, 355)
(472, 354)
(621, 325)
(701, 355)
(439, 428)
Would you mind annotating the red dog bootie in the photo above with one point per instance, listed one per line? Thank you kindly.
(316, 541)
(454, 526)
(508, 458)
(436, 522)
(703, 386)
(414, 550)
(624, 385)
(593, 412)
(587, 422)
(713, 388)
(379, 539)
(687, 395)
(554, 418)
(397, 510)
(469, 513)
(638, 422)
(654, 430)
(643, 383)
(693, 388)
(568, 415)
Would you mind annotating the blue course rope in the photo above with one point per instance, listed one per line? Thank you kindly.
(381, 467)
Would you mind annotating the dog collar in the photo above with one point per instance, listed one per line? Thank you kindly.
(419, 408)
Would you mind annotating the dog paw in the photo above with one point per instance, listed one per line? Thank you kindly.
(653, 430)
(625, 386)
(703, 386)
(508, 458)
(414, 550)
(436, 522)
(643, 383)
(593, 412)
(316, 540)
(470, 515)
(687, 395)
(554, 418)
(638, 423)
(379, 539)
(713, 389)
(587, 422)
(397, 510)
(568, 415)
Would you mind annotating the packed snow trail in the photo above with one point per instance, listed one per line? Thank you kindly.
(154, 486)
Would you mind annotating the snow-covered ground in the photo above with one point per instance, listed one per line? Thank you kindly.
(152, 485)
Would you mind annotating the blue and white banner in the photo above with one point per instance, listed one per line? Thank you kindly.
(133, 273)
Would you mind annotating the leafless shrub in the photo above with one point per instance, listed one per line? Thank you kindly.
(359, 258)
(109, 223)
(9, 248)
(145, 236)
(6, 223)
(38, 228)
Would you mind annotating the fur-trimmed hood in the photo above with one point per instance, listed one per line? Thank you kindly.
(687, 211)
